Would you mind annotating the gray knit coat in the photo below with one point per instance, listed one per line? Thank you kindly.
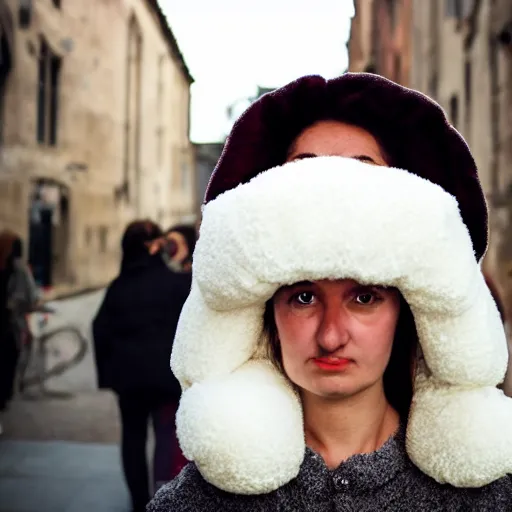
(385, 480)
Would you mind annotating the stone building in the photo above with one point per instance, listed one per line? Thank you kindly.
(380, 38)
(207, 155)
(94, 131)
(462, 57)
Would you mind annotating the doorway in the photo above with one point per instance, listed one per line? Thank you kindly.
(49, 233)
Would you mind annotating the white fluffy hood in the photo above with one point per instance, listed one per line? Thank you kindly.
(332, 218)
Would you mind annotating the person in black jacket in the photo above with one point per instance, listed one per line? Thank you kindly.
(133, 334)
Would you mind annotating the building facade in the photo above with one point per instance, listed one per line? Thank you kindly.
(207, 155)
(462, 57)
(94, 132)
(380, 38)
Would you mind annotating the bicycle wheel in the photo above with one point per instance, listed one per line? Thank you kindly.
(61, 349)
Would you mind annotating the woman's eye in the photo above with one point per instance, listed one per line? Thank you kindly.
(305, 298)
(365, 299)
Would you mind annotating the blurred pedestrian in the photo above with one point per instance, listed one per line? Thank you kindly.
(176, 247)
(19, 296)
(133, 334)
(506, 385)
(186, 235)
(340, 349)
(489, 281)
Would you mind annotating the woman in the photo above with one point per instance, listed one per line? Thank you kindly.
(18, 297)
(177, 246)
(339, 349)
(506, 385)
(133, 333)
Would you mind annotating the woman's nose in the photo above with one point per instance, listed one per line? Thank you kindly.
(333, 332)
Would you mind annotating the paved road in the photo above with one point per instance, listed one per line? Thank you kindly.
(88, 417)
(62, 455)
(60, 477)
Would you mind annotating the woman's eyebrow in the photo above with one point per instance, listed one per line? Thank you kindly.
(301, 156)
(295, 285)
(361, 158)
(364, 158)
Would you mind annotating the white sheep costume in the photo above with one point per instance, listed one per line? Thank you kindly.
(239, 419)
(422, 230)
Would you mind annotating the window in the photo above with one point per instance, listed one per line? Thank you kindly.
(467, 82)
(433, 86)
(160, 129)
(133, 112)
(397, 71)
(25, 13)
(48, 95)
(370, 68)
(459, 9)
(184, 176)
(88, 236)
(393, 13)
(454, 110)
(467, 8)
(5, 68)
(103, 237)
(451, 8)
(467, 94)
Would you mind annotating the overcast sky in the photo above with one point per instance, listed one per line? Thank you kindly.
(232, 46)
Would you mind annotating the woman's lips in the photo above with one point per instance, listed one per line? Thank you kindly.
(332, 363)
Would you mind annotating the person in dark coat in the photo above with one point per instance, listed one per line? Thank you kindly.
(9, 350)
(19, 296)
(133, 334)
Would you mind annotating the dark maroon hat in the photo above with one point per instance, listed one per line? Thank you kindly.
(412, 129)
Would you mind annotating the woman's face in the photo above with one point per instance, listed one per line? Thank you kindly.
(336, 336)
(334, 138)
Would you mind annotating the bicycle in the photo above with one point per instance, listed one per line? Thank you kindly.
(34, 370)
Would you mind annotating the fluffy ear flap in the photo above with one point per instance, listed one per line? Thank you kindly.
(467, 347)
(239, 419)
(210, 343)
(447, 440)
(244, 430)
(458, 429)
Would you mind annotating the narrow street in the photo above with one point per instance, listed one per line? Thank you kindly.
(61, 454)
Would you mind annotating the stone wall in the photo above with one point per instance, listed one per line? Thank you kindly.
(460, 62)
(88, 160)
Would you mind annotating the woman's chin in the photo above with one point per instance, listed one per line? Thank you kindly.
(330, 391)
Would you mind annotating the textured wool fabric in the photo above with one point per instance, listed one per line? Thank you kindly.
(385, 480)
(239, 420)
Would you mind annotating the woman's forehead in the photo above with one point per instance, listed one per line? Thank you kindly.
(335, 138)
